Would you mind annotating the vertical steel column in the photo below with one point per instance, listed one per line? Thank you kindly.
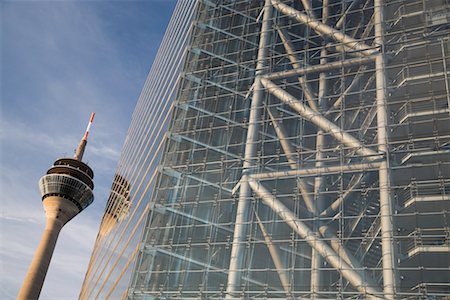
(243, 208)
(387, 234)
(316, 258)
(444, 64)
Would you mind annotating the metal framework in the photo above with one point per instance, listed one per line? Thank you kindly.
(308, 155)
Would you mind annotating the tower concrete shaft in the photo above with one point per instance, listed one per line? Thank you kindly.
(66, 190)
(58, 212)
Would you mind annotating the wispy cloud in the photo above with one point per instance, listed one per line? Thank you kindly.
(60, 61)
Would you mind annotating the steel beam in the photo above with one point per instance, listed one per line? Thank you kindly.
(341, 20)
(284, 277)
(319, 120)
(324, 29)
(317, 261)
(290, 50)
(336, 204)
(313, 171)
(351, 88)
(321, 227)
(321, 68)
(243, 207)
(282, 136)
(386, 210)
(308, 8)
(314, 241)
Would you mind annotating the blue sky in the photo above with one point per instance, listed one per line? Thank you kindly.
(61, 60)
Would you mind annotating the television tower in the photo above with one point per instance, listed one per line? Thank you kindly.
(66, 190)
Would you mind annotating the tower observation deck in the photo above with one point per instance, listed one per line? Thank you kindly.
(66, 190)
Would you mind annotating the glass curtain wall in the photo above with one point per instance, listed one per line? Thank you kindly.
(120, 232)
(308, 155)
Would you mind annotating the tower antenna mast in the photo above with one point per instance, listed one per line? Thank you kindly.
(82, 145)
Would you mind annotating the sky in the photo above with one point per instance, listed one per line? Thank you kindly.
(61, 60)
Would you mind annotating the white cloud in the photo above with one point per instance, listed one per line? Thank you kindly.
(37, 128)
(60, 61)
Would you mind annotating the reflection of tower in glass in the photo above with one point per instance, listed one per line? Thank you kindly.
(66, 190)
(118, 205)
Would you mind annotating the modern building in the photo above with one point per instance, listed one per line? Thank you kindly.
(286, 149)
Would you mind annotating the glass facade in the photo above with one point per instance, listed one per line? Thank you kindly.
(307, 156)
(120, 232)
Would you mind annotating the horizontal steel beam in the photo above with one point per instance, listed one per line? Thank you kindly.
(314, 171)
(310, 69)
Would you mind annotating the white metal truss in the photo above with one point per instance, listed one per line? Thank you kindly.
(337, 257)
(307, 157)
